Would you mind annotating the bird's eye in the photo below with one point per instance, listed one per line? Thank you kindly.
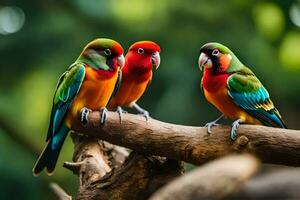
(107, 52)
(215, 52)
(141, 50)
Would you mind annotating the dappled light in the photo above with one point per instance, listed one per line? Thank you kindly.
(12, 19)
(289, 51)
(269, 20)
(295, 13)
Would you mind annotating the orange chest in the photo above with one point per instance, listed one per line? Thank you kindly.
(225, 104)
(222, 102)
(96, 89)
(130, 91)
(94, 94)
(215, 91)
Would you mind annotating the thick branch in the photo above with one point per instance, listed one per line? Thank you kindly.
(59, 192)
(92, 159)
(214, 180)
(193, 144)
(104, 174)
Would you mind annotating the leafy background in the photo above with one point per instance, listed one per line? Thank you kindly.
(40, 39)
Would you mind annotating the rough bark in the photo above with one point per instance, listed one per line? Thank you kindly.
(215, 180)
(59, 192)
(193, 144)
(105, 171)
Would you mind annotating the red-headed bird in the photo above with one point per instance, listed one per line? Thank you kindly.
(142, 56)
(235, 90)
(88, 84)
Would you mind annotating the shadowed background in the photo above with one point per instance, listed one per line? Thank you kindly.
(40, 39)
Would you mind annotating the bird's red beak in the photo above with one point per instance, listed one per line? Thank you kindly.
(155, 58)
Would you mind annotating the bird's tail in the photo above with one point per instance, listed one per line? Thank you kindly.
(49, 156)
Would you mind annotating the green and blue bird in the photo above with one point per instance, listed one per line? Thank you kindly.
(235, 90)
(88, 84)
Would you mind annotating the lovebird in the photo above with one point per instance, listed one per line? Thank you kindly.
(235, 90)
(142, 56)
(88, 83)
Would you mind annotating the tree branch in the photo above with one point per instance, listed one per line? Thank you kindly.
(193, 144)
(104, 174)
(215, 180)
(59, 192)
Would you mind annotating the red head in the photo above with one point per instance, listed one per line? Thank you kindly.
(142, 56)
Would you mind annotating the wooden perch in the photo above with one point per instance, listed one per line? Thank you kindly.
(59, 192)
(193, 144)
(105, 171)
(215, 180)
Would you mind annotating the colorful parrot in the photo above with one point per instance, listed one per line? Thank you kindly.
(142, 56)
(234, 90)
(89, 83)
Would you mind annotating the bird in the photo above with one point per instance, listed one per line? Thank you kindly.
(140, 59)
(235, 90)
(88, 84)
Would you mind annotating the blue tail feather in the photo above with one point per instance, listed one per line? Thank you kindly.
(268, 118)
(49, 156)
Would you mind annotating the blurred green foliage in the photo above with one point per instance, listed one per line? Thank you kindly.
(261, 33)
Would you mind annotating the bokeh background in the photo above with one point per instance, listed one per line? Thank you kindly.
(40, 39)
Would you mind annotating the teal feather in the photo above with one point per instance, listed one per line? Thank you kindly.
(49, 156)
(67, 88)
(248, 93)
(66, 91)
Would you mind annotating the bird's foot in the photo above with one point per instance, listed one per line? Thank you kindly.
(209, 125)
(235, 125)
(120, 111)
(145, 114)
(141, 111)
(103, 115)
(84, 115)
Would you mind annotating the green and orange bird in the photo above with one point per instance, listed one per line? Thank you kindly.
(234, 90)
(89, 83)
(142, 56)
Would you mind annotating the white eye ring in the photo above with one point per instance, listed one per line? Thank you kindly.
(141, 50)
(107, 52)
(215, 52)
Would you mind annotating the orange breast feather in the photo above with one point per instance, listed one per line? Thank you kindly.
(225, 104)
(94, 94)
(130, 91)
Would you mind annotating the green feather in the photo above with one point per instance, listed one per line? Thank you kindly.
(244, 81)
(93, 54)
(94, 60)
(67, 88)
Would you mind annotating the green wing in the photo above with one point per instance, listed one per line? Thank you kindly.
(117, 85)
(248, 93)
(66, 90)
